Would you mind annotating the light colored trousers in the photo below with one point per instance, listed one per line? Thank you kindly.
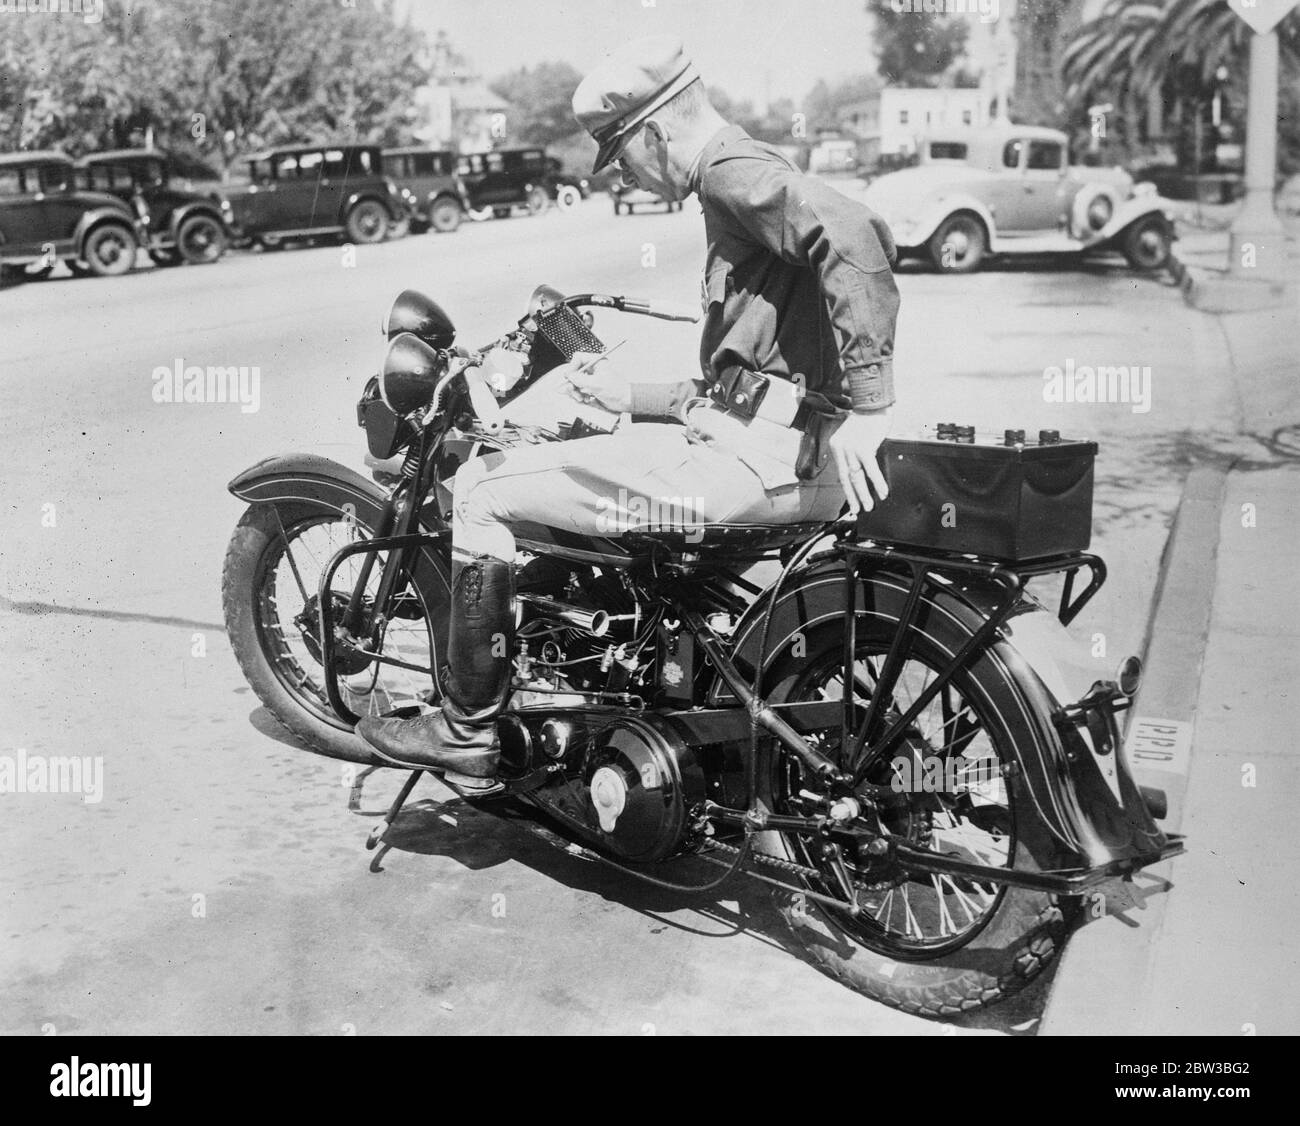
(715, 470)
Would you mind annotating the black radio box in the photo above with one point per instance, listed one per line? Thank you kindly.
(1011, 502)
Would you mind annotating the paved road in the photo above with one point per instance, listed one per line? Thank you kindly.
(112, 528)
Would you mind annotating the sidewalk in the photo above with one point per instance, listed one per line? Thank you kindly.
(1206, 943)
(1201, 263)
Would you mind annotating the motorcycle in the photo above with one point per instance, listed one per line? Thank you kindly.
(892, 732)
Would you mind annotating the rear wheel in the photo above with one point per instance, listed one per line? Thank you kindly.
(933, 945)
(270, 594)
(367, 222)
(201, 240)
(109, 250)
(537, 200)
(959, 245)
(444, 215)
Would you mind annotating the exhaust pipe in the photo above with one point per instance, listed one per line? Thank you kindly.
(594, 622)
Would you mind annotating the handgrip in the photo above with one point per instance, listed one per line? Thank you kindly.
(483, 401)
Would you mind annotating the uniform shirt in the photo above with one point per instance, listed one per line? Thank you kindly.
(798, 282)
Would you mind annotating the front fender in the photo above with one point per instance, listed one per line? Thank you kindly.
(320, 485)
(1079, 820)
(1130, 211)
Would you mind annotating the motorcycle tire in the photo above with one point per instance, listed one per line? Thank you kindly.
(255, 547)
(1014, 940)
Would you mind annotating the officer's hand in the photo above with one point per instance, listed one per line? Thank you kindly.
(854, 447)
(600, 385)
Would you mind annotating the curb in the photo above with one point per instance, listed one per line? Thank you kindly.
(1105, 969)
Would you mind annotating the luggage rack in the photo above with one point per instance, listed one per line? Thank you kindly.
(1010, 576)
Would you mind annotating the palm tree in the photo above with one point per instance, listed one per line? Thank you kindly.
(1133, 47)
(1175, 48)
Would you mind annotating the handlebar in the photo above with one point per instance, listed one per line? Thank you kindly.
(640, 308)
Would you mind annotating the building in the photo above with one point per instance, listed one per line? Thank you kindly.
(457, 109)
(891, 122)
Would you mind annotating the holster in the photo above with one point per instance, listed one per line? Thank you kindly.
(814, 448)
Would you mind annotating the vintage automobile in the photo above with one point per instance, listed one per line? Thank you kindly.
(312, 190)
(427, 178)
(628, 199)
(183, 226)
(1010, 189)
(500, 180)
(567, 189)
(45, 216)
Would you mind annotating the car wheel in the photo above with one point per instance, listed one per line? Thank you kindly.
(201, 240)
(367, 222)
(959, 245)
(110, 250)
(567, 198)
(399, 229)
(537, 200)
(444, 216)
(1147, 244)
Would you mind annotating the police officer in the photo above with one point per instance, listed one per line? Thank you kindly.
(782, 426)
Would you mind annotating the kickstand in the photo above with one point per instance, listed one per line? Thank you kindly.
(378, 833)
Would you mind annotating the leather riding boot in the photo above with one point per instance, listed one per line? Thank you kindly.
(461, 737)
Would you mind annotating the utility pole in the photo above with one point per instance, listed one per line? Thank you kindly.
(1258, 245)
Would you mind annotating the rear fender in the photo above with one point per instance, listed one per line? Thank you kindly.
(1079, 820)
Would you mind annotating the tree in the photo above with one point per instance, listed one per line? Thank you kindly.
(1176, 47)
(220, 75)
(917, 48)
(541, 101)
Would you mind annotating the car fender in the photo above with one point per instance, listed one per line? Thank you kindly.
(1130, 211)
(197, 207)
(936, 212)
(99, 215)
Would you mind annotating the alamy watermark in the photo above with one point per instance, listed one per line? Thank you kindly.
(21, 773)
(192, 384)
(90, 11)
(630, 512)
(1079, 383)
(987, 10)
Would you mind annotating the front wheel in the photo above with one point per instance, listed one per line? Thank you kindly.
(1147, 244)
(537, 200)
(568, 197)
(270, 594)
(931, 945)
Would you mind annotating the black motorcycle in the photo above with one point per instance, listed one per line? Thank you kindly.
(890, 732)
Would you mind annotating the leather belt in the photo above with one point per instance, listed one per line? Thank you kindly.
(751, 394)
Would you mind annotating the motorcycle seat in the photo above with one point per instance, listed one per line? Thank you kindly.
(707, 538)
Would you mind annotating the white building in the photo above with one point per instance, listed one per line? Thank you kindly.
(896, 117)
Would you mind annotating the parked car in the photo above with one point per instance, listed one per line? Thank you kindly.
(1010, 189)
(629, 199)
(183, 226)
(312, 190)
(566, 189)
(427, 179)
(507, 178)
(45, 216)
